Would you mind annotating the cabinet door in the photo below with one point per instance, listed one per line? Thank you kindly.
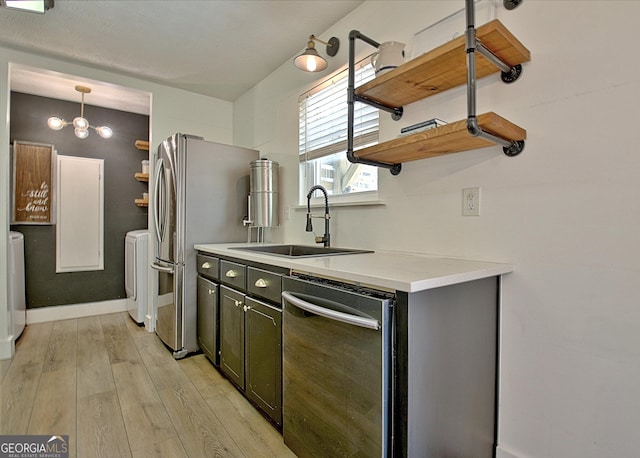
(232, 334)
(208, 319)
(264, 357)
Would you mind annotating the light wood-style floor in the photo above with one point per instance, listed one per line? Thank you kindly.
(116, 391)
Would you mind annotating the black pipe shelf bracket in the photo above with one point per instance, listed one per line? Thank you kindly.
(402, 151)
(509, 74)
(396, 112)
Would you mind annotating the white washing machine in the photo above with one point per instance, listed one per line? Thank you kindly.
(136, 268)
(17, 304)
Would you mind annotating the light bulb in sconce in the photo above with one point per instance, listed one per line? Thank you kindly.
(311, 63)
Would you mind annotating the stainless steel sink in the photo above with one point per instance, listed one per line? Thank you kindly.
(300, 251)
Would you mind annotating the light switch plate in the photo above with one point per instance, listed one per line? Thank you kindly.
(471, 202)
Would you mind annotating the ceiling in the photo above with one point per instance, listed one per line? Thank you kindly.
(218, 48)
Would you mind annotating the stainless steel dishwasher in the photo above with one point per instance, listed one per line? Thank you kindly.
(337, 360)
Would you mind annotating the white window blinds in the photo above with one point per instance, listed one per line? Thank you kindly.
(323, 117)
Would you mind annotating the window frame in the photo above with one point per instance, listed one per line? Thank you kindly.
(370, 123)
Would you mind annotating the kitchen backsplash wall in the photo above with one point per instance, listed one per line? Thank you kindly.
(45, 287)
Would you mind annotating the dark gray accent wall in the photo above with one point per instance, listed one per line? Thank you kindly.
(45, 287)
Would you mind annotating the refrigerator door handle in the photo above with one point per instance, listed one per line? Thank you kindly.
(159, 202)
(158, 267)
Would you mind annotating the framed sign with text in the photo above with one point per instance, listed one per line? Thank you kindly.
(32, 192)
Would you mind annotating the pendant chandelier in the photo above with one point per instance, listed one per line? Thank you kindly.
(80, 123)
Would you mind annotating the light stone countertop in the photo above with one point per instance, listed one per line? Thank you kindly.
(384, 269)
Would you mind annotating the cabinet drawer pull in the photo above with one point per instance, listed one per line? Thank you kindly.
(261, 283)
(247, 308)
(231, 274)
(206, 265)
(238, 303)
(212, 291)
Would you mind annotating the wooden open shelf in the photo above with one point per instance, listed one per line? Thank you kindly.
(447, 139)
(142, 177)
(142, 145)
(443, 68)
(438, 70)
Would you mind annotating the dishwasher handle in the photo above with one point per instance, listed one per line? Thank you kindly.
(369, 323)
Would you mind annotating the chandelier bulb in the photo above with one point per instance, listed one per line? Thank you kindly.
(56, 123)
(80, 123)
(81, 133)
(104, 131)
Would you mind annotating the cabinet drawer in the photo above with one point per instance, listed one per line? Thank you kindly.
(264, 284)
(207, 266)
(233, 274)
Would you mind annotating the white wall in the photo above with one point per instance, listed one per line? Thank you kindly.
(173, 110)
(564, 211)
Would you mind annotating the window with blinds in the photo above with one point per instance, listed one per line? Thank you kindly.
(323, 137)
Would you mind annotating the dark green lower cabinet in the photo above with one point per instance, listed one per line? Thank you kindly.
(263, 341)
(250, 349)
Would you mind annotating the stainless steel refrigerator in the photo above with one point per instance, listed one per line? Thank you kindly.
(199, 195)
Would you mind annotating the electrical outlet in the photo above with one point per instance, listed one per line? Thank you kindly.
(471, 202)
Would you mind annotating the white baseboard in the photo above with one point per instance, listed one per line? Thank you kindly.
(501, 452)
(65, 312)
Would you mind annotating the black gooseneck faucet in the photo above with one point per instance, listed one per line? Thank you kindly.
(326, 238)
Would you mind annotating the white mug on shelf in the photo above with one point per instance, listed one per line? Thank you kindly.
(390, 55)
